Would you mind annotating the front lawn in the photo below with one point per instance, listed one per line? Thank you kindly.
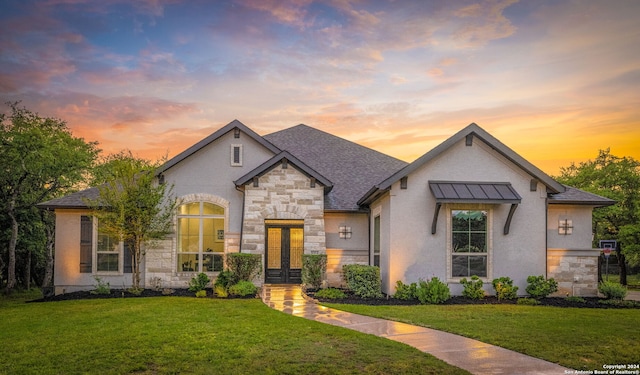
(170, 335)
(578, 338)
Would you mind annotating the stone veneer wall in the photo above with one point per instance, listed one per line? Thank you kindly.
(283, 194)
(576, 271)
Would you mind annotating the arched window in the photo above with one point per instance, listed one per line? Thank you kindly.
(200, 237)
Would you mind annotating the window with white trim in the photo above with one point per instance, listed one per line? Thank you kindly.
(108, 252)
(200, 237)
(469, 243)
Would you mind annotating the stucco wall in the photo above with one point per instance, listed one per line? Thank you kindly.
(572, 261)
(67, 275)
(341, 251)
(415, 253)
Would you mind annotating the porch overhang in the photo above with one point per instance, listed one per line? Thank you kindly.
(474, 192)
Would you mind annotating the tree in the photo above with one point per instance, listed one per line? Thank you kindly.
(616, 178)
(133, 205)
(39, 159)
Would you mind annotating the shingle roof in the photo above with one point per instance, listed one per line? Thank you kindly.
(576, 196)
(73, 200)
(352, 168)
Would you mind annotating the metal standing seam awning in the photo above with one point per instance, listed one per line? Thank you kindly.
(474, 192)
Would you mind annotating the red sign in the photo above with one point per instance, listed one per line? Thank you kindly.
(607, 251)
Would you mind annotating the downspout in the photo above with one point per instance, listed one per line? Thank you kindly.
(546, 237)
(241, 219)
(369, 233)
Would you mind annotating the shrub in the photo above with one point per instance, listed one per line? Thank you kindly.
(528, 301)
(576, 299)
(199, 282)
(220, 291)
(406, 292)
(473, 288)
(538, 287)
(314, 267)
(504, 288)
(244, 266)
(433, 291)
(612, 290)
(201, 293)
(243, 288)
(330, 293)
(225, 279)
(363, 281)
(101, 287)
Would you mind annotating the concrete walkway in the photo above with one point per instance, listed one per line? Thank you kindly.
(471, 355)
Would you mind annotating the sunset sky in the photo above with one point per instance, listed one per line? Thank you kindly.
(554, 80)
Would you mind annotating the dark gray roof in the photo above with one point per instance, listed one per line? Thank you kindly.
(472, 131)
(278, 160)
(352, 168)
(477, 192)
(576, 196)
(73, 200)
(235, 124)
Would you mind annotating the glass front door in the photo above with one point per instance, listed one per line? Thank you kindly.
(284, 249)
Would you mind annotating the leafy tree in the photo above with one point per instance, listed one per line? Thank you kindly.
(132, 205)
(39, 159)
(616, 178)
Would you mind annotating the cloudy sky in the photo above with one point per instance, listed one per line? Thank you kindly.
(554, 80)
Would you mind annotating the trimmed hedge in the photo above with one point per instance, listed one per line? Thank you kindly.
(244, 266)
(314, 267)
(363, 281)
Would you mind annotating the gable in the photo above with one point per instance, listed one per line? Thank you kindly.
(468, 135)
(284, 160)
(234, 126)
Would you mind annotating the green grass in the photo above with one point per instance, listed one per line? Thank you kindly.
(171, 335)
(582, 339)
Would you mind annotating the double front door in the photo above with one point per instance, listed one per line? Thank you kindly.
(284, 249)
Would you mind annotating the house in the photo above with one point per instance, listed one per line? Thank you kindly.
(471, 206)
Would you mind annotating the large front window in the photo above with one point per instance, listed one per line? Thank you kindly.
(200, 237)
(469, 250)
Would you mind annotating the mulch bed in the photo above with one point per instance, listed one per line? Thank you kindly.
(589, 302)
(123, 293)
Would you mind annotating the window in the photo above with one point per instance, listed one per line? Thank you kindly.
(107, 252)
(200, 237)
(236, 155)
(469, 229)
(376, 241)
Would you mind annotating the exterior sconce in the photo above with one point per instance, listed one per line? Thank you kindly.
(345, 232)
(565, 227)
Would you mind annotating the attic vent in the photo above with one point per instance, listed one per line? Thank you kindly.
(469, 140)
(403, 183)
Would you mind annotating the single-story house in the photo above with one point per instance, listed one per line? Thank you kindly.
(470, 206)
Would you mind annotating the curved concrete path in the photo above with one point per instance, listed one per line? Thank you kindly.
(471, 355)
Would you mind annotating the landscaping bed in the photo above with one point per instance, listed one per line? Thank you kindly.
(589, 302)
(124, 293)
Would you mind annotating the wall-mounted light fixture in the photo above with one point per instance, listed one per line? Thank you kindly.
(565, 226)
(345, 232)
